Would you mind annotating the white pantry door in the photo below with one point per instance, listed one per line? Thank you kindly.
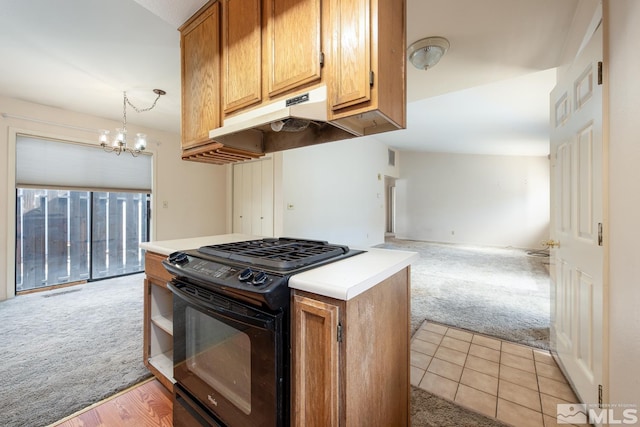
(253, 197)
(578, 313)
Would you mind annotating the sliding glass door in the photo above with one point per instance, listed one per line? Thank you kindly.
(119, 224)
(65, 236)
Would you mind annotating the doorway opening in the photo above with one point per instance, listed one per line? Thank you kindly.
(390, 206)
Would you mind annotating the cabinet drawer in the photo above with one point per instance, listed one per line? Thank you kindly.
(154, 268)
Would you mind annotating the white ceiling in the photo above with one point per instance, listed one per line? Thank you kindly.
(489, 94)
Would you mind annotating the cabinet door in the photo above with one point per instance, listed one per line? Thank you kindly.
(241, 54)
(293, 43)
(351, 58)
(200, 49)
(316, 391)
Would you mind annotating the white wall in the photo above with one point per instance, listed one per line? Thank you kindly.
(473, 199)
(622, 63)
(335, 191)
(196, 193)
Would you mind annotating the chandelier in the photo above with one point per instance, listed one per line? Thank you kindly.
(118, 144)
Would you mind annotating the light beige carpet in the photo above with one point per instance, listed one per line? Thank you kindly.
(502, 292)
(67, 348)
(432, 411)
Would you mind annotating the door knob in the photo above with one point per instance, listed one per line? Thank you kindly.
(551, 243)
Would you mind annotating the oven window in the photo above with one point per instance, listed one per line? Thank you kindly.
(221, 356)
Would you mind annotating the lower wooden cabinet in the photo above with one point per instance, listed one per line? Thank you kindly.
(350, 362)
(316, 362)
(158, 320)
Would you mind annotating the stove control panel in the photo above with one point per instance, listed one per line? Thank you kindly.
(183, 264)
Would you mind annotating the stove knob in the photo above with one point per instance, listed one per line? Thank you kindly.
(178, 258)
(245, 275)
(259, 278)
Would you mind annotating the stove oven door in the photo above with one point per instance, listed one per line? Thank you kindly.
(229, 357)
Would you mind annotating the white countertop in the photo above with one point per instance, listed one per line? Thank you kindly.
(166, 247)
(342, 279)
(350, 277)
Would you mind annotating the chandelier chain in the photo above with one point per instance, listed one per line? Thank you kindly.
(120, 142)
(141, 110)
(137, 110)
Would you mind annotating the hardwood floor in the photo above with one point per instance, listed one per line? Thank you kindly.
(146, 405)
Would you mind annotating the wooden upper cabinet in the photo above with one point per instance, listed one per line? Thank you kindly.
(200, 53)
(238, 55)
(293, 45)
(352, 52)
(367, 83)
(241, 54)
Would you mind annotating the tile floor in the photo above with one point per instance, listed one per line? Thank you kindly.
(516, 384)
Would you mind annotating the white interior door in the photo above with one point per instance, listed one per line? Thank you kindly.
(238, 199)
(245, 188)
(578, 314)
(266, 198)
(253, 198)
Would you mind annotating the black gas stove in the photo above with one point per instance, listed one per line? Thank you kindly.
(231, 323)
(255, 271)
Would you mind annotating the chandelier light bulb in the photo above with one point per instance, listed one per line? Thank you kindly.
(141, 141)
(121, 137)
(104, 137)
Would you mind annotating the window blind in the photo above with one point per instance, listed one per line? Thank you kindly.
(48, 163)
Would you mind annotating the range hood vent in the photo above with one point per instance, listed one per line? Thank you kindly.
(294, 122)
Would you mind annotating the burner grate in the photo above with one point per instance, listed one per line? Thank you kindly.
(282, 254)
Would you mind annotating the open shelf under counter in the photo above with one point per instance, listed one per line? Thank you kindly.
(164, 322)
(163, 362)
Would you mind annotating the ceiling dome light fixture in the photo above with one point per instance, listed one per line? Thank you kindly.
(119, 143)
(426, 53)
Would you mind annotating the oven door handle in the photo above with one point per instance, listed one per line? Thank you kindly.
(255, 319)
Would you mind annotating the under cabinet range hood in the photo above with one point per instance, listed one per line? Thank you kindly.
(296, 121)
